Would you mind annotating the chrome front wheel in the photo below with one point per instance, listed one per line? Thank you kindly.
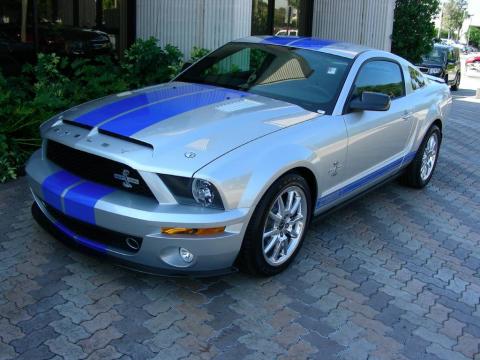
(277, 227)
(284, 225)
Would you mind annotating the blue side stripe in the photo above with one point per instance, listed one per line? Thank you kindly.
(338, 194)
(84, 241)
(140, 119)
(98, 115)
(54, 185)
(409, 157)
(80, 201)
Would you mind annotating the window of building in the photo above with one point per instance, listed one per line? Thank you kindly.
(282, 17)
(380, 76)
(417, 79)
(64, 27)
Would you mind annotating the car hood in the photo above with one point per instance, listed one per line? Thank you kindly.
(430, 64)
(177, 127)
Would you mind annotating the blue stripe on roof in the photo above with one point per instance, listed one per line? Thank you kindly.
(98, 115)
(140, 119)
(340, 193)
(83, 241)
(80, 200)
(54, 185)
(280, 40)
(311, 43)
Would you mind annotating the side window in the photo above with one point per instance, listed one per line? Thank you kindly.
(418, 81)
(380, 76)
(451, 55)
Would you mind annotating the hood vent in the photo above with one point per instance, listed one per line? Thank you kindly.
(108, 133)
(125, 138)
(74, 123)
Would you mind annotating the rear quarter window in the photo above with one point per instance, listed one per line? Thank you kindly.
(417, 79)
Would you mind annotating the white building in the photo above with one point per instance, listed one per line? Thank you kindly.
(211, 23)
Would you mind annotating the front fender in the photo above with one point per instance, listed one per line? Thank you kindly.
(243, 175)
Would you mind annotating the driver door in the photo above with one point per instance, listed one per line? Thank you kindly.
(377, 139)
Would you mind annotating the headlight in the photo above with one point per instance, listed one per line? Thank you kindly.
(434, 71)
(188, 191)
(204, 192)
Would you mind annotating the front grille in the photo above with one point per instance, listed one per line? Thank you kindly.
(95, 233)
(96, 168)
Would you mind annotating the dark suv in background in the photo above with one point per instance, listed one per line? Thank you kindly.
(53, 38)
(443, 62)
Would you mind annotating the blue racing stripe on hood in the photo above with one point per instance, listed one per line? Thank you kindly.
(140, 119)
(80, 201)
(97, 116)
(54, 185)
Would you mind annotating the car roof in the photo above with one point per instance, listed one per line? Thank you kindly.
(339, 48)
(443, 46)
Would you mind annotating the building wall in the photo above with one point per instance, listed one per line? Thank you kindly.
(366, 22)
(189, 23)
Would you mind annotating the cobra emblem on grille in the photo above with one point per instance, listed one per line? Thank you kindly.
(127, 181)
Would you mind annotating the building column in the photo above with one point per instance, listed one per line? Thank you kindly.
(366, 22)
(186, 23)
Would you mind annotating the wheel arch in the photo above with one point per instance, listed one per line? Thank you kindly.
(309, 176)
(438, 123)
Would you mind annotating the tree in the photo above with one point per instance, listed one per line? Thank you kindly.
(413, 28)
(454, 14)
(474, 36)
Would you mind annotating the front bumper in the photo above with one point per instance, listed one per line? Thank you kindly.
(135, 216)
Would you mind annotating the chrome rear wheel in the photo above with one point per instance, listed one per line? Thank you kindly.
(420, 171)
(429, 157)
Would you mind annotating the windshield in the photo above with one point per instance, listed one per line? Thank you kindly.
(436, 56)
(306, 78)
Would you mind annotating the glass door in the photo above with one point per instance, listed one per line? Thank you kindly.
(282, 17)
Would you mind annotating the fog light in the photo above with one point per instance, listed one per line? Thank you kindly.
(186, 255)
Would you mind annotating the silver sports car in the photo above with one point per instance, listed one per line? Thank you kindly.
(226, 165)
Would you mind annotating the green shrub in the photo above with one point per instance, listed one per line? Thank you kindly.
(197, 54)
(55, 84)
(145, 63)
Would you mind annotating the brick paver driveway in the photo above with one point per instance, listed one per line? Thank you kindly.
(394, 275)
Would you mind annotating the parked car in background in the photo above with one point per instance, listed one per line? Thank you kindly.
(53, 38)
(473, 63)
(13, 54)
(443, 62)
(227, 164)
(287, 32)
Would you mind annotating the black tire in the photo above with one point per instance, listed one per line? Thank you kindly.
(455, 86)
(251, 258)
(412, 176)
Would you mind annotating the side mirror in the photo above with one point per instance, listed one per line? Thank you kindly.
(186, 65)
(371, 101)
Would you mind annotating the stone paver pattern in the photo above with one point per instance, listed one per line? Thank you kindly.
(394, 275)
